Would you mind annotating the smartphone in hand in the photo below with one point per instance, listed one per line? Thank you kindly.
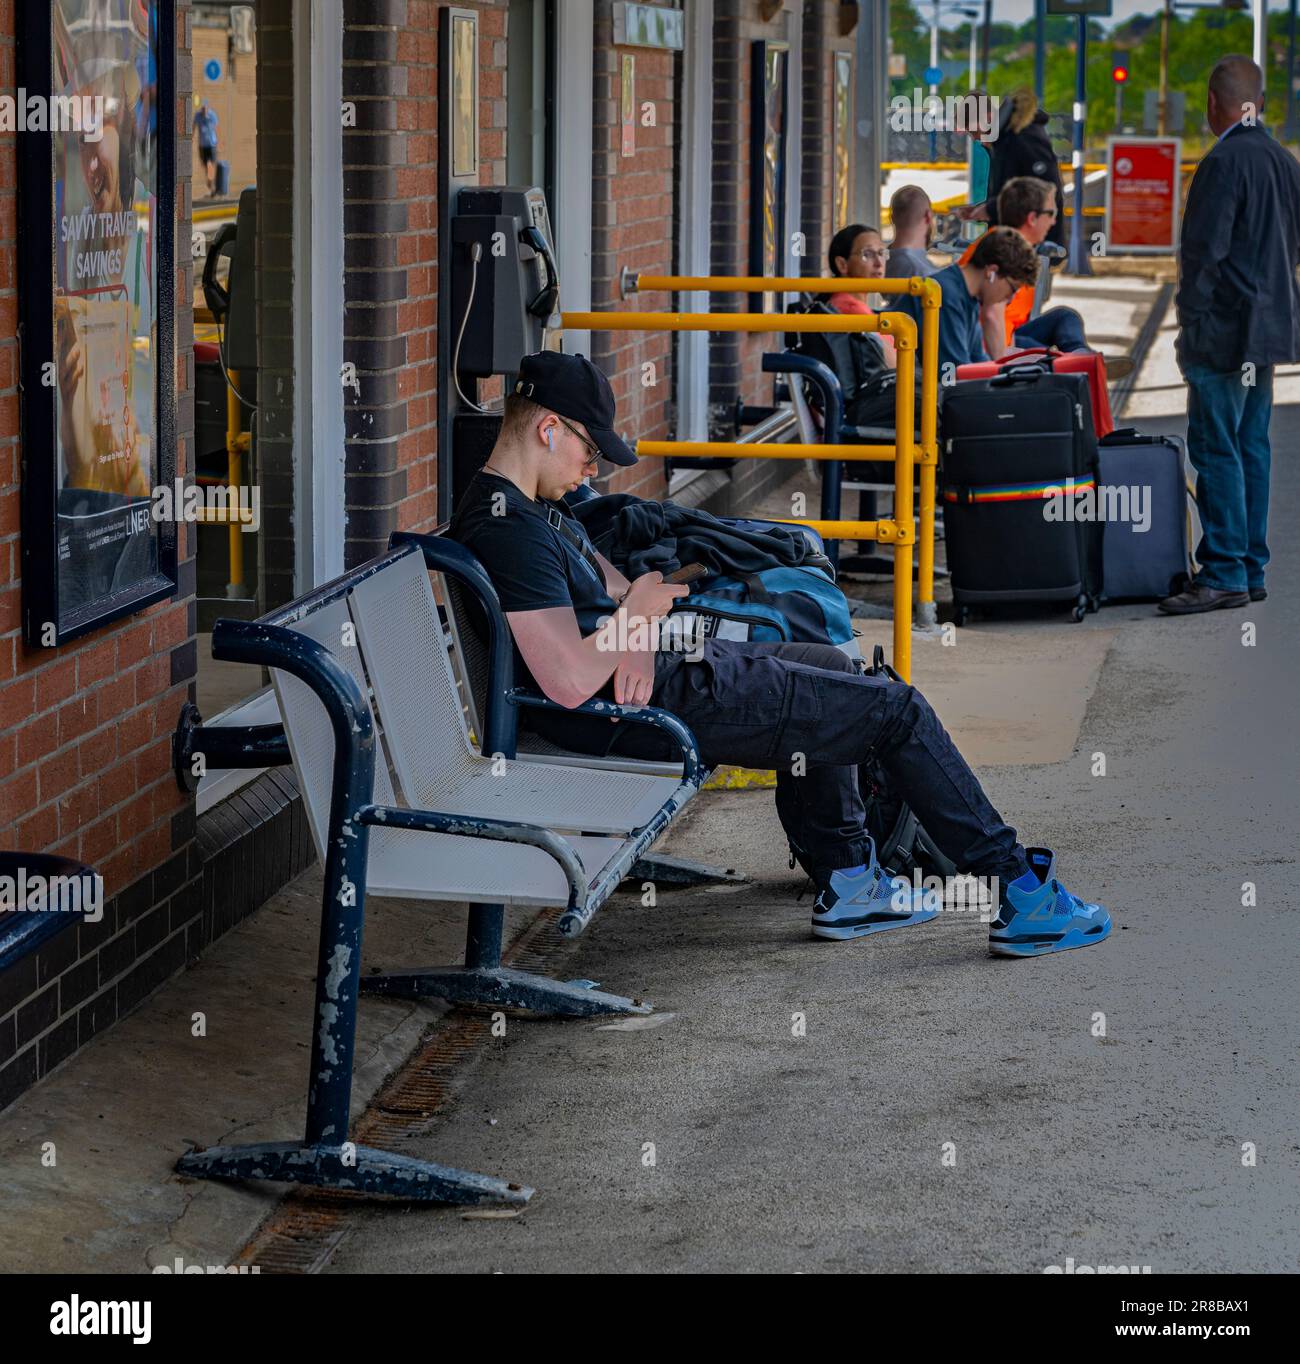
(686, 574)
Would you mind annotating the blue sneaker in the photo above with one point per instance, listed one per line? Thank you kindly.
(1039, 915)
(861, 900)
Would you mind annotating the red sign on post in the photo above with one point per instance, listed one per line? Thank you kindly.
(1143, 194)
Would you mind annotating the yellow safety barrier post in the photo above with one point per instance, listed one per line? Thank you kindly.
(931, 297)
(238, 443)
(901, 531)
(235, 441)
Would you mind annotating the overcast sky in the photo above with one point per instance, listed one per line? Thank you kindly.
(1017, 11)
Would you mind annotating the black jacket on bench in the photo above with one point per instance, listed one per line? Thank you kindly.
(638, 536)
(1238, 298)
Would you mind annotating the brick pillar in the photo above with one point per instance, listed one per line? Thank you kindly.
(377, 226)
(274, 253)
(728, 255)
(735, 363)
(815, 143)
(632, 225)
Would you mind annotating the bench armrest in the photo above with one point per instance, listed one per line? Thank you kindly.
(475, 826)
(823, 379)
(692, 767)
(868, 435)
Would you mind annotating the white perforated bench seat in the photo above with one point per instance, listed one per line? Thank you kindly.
(406, 864)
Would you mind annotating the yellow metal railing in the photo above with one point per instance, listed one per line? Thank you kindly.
(1088, 166)
(900, 531)
(238, 444)
(928, 447)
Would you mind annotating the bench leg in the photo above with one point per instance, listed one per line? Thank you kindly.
(362, 1169)
(503, 987)
(681, 871)
(483, 935)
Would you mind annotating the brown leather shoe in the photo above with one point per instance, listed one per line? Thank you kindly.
(1199, 598)
(1119, 366)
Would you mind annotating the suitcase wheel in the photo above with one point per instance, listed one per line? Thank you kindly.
(1080, 609)
(960, 615)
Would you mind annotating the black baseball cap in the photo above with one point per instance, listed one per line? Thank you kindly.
(571, 386)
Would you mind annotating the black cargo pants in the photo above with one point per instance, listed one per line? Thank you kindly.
(805, 711)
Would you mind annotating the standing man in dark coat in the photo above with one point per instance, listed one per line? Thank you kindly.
(1022, 147)
(1238, 316)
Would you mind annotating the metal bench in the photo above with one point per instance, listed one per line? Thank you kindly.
(376, 729)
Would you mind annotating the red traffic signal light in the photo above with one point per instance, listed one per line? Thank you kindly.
(1119, 70)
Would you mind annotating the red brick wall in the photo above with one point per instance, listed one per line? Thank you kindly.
(85, 729)
(821, 42)
(417, 253)
(632, 225)
(390, 164)
(735, 369)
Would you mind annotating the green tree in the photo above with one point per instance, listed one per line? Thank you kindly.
(1196, 42)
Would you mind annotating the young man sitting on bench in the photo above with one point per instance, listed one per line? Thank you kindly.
(802, 709)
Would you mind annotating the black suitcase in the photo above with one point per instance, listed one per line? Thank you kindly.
(1144, 492)
(1019, 456)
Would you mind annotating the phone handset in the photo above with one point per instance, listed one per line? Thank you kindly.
(543, 303)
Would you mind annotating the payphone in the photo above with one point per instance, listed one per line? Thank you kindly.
(504, 305)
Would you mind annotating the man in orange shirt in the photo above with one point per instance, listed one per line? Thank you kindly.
(1028, 205)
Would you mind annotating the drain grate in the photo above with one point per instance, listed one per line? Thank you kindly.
(305, 1228)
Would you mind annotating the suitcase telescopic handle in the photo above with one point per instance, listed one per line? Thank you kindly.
(1019, 374)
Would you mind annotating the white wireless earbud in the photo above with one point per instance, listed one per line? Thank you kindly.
(550, 440)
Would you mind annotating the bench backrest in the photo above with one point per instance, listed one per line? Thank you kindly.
(471, 651)
(307, 725)
(405, 650)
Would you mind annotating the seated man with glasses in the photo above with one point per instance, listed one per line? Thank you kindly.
(581, 629)
(998, 266)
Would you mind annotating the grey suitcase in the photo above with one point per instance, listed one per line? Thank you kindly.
(1143, 491)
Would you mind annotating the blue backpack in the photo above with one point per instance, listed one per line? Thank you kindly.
(777, 604)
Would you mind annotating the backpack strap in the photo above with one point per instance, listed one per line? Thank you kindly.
(757, 588)
(557, 522)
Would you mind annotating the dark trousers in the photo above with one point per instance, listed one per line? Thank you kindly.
(1059, 327)
(805, 710)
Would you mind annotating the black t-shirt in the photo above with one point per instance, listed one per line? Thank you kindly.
(533, 563)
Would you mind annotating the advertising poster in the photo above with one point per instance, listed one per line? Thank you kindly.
(1143, 194)
(105, 295)
(842, 139)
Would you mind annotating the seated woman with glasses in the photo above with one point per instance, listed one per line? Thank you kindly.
(858, 252)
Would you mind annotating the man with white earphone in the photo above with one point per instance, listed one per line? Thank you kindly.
(582, 631)
(1002, 262)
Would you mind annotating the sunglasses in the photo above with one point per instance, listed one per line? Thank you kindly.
(592, 447)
